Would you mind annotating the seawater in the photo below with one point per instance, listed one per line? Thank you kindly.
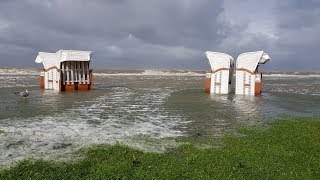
(145, 109)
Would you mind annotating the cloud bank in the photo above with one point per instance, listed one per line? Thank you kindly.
(162, 34)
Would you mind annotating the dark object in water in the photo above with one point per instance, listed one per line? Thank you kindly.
(23, 93)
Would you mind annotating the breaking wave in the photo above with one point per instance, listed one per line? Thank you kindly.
(151, 72)
(154, 73)
(290, 75)
(19, 71)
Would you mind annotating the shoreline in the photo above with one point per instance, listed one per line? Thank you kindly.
(287, 148)
(24, 70)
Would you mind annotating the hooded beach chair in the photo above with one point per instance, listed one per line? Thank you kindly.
(65, 70)
(248, 79)
(218, 81)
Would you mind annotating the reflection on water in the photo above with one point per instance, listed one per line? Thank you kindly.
(241, 106)
(215, 114)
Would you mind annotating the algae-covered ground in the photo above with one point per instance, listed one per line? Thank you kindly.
(287, 149)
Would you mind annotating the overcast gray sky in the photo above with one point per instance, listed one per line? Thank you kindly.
(162, 34)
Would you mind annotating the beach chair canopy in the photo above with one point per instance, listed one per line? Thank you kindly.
(219, 60)
(54, 59)
(47, 59)
(250, 60)
(72, 55)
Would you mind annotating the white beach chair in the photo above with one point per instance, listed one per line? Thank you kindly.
(218, 81)
(248, 79)
(65, 70)
(50, 76)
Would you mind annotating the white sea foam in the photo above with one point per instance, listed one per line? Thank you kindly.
(109, 119)
(154, 73)
(8, 81)
(292, 75)
(293, 90)
(171, 73)
(148, 72)
(17, 85)
(192, 73)
(19, 71)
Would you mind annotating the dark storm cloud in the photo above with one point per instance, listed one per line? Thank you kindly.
(287, 30)
(299, 27)
(160, 34)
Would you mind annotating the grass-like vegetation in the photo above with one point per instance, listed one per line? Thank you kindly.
(288, 149)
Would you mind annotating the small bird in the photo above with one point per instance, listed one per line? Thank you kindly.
(23, 93)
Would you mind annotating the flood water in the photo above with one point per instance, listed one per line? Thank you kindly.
(145, 110)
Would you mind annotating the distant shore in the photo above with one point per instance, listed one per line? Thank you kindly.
(33, 70)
